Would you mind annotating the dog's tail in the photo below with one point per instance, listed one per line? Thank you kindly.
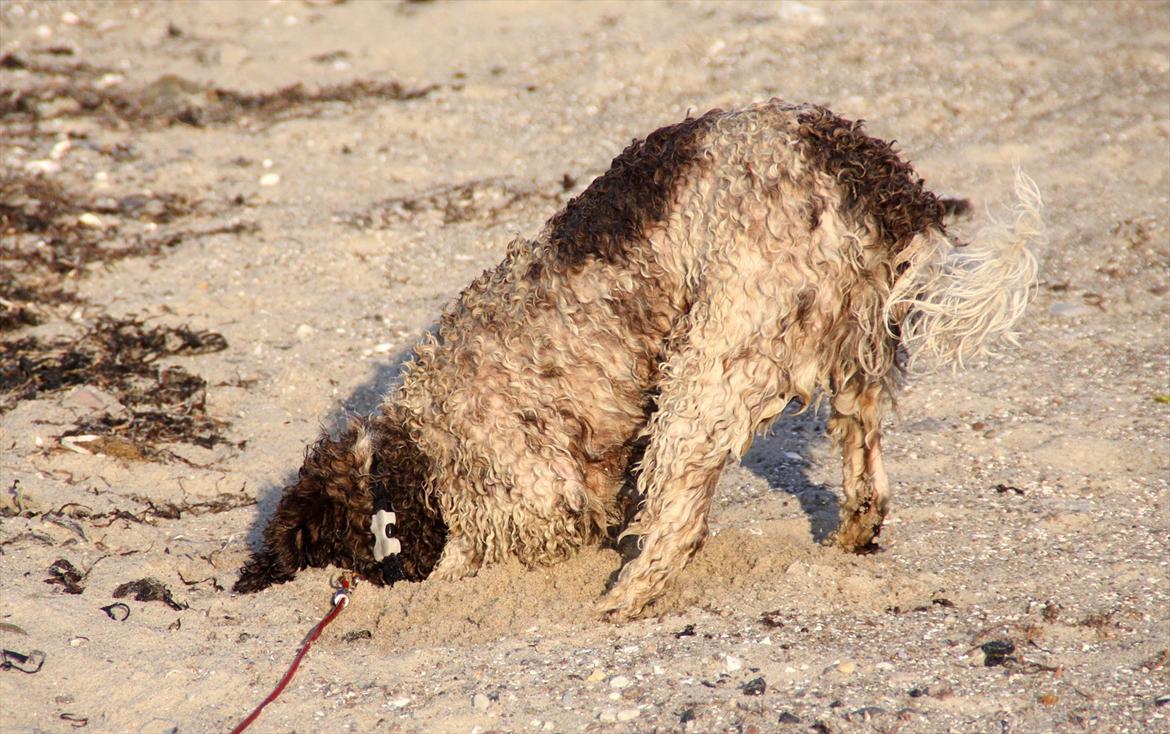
(954, 300)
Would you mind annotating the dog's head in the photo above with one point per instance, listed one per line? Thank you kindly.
(329, 515)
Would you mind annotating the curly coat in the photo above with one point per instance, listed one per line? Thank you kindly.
(723, 267)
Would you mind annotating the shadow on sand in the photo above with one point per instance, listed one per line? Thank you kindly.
(783, 456)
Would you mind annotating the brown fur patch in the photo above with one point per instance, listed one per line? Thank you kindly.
(636, 192)
(402, 468)
(876, 183)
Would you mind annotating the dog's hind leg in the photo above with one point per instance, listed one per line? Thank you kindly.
(856, 427)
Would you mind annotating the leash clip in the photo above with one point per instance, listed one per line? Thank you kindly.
(345, 588)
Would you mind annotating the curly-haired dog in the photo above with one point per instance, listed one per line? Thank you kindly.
(720, 269)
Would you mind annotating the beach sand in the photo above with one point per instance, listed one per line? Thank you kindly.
(258, 207)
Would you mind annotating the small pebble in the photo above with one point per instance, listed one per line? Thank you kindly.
(91, 220)
(232, 54)
(481, 702)
(628, 714)
(398, 703)
(846, 666)
(43, 166)
(619, 682)
(1069, 310)
(270, 179)
(733, 664)
(384, 348)
(865, 713)
(304, 331)
(608, 716)
(60, 148)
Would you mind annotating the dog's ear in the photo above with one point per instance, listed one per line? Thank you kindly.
(322, 518)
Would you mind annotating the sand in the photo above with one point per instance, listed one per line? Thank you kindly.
(320, 229)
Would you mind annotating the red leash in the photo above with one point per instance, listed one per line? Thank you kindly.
(340, 600)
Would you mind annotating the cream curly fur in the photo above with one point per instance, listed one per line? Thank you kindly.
(722, 268)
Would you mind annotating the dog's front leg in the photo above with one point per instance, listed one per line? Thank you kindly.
(712, 396)
(458, 560)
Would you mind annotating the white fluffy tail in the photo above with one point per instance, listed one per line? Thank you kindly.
(953, 302)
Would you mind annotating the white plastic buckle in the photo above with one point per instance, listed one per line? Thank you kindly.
(382, 526)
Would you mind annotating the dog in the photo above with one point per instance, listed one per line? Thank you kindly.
(722, 268)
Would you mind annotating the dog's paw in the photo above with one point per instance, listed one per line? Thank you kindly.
(616, 606)
(459, 560)
(606, 612)
(858, 533)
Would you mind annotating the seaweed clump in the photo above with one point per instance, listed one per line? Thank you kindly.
(122, 357)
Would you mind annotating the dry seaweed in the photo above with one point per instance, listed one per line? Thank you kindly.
(45, 242)
(997, 652)
(209, 580)
(67, 69)
(171, 511)
(1104, 623)
(118, 355)
(149, 589)
(64, 574)
(483, 200)
(164, 404)
(77, 722)
(173, 100)
(14, 660)
(162, 510)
